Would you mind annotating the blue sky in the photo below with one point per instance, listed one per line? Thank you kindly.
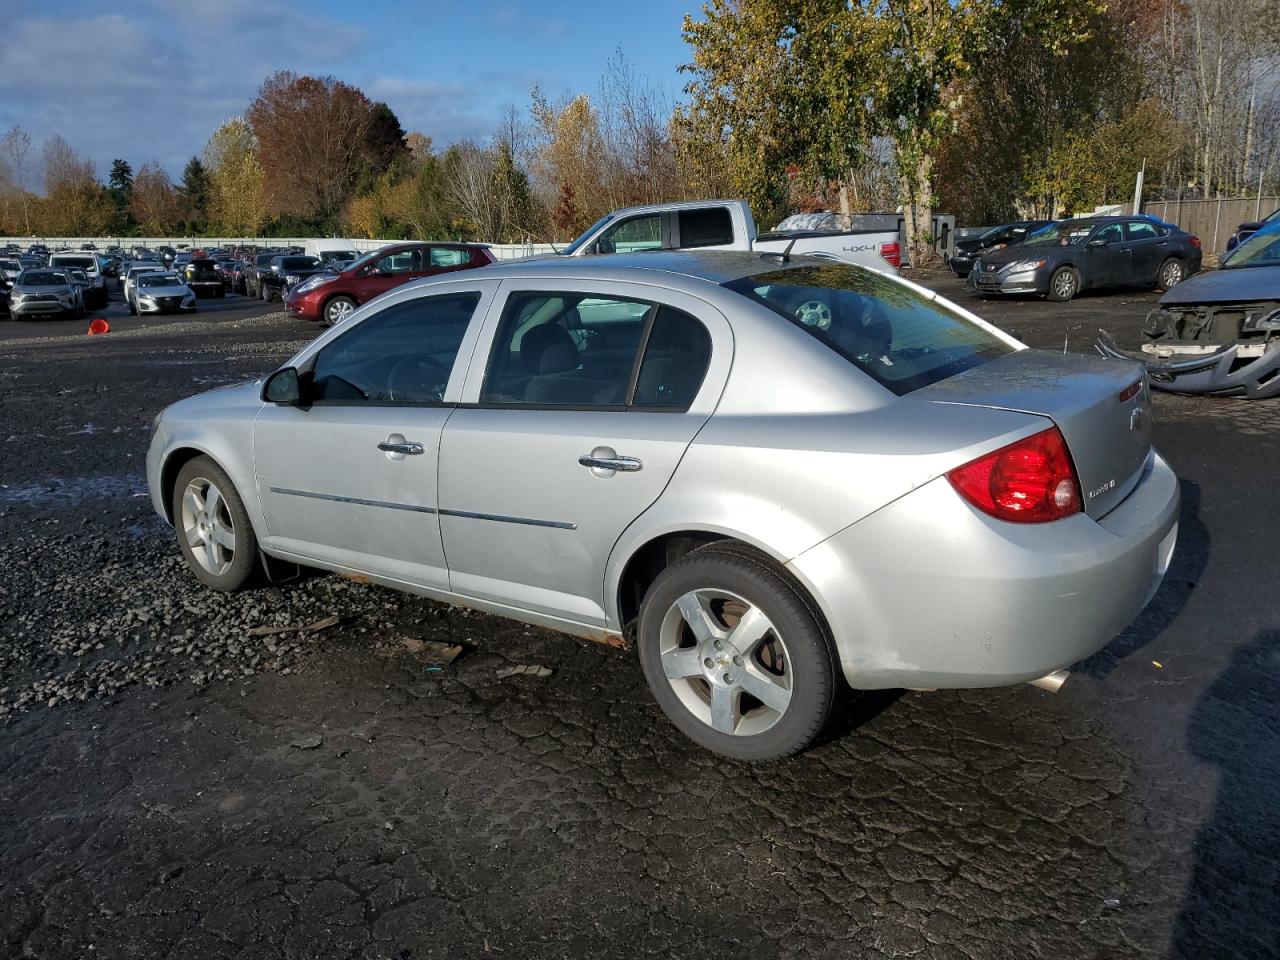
(149, 81)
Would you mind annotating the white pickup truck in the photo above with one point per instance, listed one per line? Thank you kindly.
(728, 225)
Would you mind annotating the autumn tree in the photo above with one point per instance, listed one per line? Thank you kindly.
(155, 203)
(569, 162)
(75, 203)
(810, 85)
(236, 179)
(311, 136)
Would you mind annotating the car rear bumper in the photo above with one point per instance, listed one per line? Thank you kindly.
(929, 592)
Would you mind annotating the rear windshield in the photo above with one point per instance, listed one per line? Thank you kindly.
(59, 260)
(897, 336)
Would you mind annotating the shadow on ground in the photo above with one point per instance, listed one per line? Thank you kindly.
(1236, 863)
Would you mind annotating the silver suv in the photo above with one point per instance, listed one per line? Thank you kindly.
(773, 475)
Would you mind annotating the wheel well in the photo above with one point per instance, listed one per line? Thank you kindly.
(655, 556)
(169, 475)
(649, 561)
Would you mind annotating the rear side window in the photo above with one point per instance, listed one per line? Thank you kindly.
(709, 227)
(447, 257)
(900, 338)
(676, 355)
(401, 355)
(585, 351)
(1142, 230)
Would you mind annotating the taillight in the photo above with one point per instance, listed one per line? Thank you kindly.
(1029, 481)
(891, 253)
(1194, 241)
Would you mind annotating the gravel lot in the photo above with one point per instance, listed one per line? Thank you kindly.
(173, 786)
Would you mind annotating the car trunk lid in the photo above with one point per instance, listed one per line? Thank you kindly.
(1100, 405)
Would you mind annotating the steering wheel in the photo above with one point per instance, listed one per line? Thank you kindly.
(409, 376)
(814, 313)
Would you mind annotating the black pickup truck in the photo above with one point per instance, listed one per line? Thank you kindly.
(254, 267)
(285, 272)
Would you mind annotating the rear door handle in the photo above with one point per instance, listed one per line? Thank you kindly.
(605, 462)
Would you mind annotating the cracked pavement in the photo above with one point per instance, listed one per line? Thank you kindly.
(195, 792)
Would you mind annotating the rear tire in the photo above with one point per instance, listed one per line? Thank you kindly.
(1171, 273)
(213, 528)
(759, 693)
(1064, 284)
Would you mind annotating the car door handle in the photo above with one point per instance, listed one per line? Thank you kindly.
(613, 462)
(406, 447)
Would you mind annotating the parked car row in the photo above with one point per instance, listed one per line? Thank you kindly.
(1059, 260)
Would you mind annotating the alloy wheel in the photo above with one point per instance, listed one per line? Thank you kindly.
(339, 310)
(1171, 275)
(726, 662)
(1064, 284)
(208, 526)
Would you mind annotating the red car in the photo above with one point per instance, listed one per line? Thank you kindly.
(332, 296)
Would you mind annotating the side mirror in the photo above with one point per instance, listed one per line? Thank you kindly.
(1098, 242)
(283, 387)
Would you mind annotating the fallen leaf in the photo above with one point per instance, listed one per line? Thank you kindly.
(525, 670)
(1157, 664)
(325, 624)
(308, 742)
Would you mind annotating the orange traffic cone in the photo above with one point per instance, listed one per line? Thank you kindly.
(98, 325)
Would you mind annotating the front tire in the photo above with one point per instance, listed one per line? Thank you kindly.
(735, 656)
(338, 309)
(1064, 284)
(214, 532)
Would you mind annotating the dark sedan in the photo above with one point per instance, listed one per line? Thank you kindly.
(970, 249)
(1087, 254)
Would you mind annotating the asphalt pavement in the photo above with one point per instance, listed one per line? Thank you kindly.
(173, 786)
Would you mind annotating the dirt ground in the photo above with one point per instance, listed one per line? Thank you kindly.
(171, 786)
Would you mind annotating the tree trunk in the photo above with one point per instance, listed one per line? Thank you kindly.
(917, 210)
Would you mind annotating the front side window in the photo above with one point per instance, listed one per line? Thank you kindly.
(900, 338)
(1111, 233)
(633, 236)
(401, 355)
(580, 350)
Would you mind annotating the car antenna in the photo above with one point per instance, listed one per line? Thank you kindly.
(785, 256)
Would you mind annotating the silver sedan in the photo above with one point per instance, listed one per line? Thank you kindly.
(772, 475)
